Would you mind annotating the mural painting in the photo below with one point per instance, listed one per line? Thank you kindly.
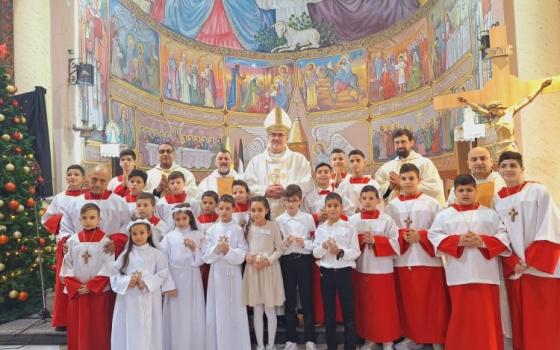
(134, 50)
(192, 77)
(400, 64)
(195, 145)
(257, 86)
(333, 82)
(433, 133)
(121, 128)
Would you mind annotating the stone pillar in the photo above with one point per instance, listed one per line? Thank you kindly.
(536, 29)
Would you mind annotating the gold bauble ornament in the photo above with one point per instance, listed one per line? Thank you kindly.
(2, 267)
(6, 138)
(23, 120)
(30, 156)
(17, 234)
(4, 279)
(20, 208)
(13, 294)
(1, 203)
(1, 216)
(13, 217)
(26, 169)
(7, 76)
(38, 260)
(10, 167)
(3, 228)
(2, 117)
(11, 89)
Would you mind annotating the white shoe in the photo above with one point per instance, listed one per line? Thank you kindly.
(260, 347)
(271, 347)
(387, 346)
(310, 346)
(290, 346)
(368, 345)
(408, 344)
(437, 346)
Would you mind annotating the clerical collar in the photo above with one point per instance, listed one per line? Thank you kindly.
(176, 198)
(407, 197)
(89, 195)
(510, 191)
(130, 198)
(369, 214)
(241, 207)
(154, 220)
(324, 192)
(461, 207)
(74, 193)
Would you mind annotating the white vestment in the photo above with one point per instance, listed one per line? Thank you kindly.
(494, 177)
(210, 182)
(154, 178)
(137, 317)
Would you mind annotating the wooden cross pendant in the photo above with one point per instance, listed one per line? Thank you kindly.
(408, 222)
(86, 256)
(512, 214)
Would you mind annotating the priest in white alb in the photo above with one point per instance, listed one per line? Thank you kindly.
(270, 172)
(388, 175)
(221, 179)
(488, 182)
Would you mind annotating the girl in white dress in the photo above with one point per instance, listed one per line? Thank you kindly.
(183, 305)
(137, 278)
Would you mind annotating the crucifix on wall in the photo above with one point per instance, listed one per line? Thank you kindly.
(501, 97)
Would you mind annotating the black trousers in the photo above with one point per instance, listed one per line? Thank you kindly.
(332, 281)
(296, 272)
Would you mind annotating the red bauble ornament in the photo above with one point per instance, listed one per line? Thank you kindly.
(53, 267)
(42, 242)
(30, 202)
(23, 296)
(23, 248)
(41, 180)
(32, 190)
(4, 239)
(1, 102)
(13, 204)
(18, 150)
(16, 135)
(15, 103)
(10, 186)
(17, 120)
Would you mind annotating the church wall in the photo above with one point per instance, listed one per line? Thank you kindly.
(142, 63)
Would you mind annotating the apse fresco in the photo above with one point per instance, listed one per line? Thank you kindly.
(121, 128)
(191, 76)
(94, 49)
(257, 86)
(332, 82)
(252, 24)
(400, 64)
(195, 145)
(433, 133)
(134, 50)
(450, 23)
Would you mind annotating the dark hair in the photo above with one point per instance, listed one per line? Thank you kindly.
(227, 198)
(176, 175)
(409, 167)
(192, 219)
(168, 144)
(127, 152)
(90, 206)
(212, 195)
(333, 196)
(138, 173)
(263, 201)
(464, 180)
(76, 167)
(370, 188)
(401, 132)
(130, 244)
(356, 152)
(240, 183)
(337, 150)
(148, 196)
(293, 190)
(322, 165)
(511, 155)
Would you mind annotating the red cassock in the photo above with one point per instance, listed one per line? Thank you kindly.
(423, 297)
(377, 314)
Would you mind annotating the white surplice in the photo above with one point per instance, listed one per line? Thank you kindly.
(154, 178)
(351, 193)
(227, 325)
(137, 317)
(210, 183)
(494, 177)
(184, 314)
(431, 183)
(284, 169)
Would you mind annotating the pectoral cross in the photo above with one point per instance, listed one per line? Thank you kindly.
(408, 222)
(86, 257)
(512, 214)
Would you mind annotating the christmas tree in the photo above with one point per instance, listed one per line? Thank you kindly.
(24, 244)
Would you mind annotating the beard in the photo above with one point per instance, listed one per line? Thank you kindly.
(223, 170)
(403, 153)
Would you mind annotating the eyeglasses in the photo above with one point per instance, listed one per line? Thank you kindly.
(163, 151)
(279, 135)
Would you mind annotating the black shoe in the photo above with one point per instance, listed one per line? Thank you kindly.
(60, 329)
